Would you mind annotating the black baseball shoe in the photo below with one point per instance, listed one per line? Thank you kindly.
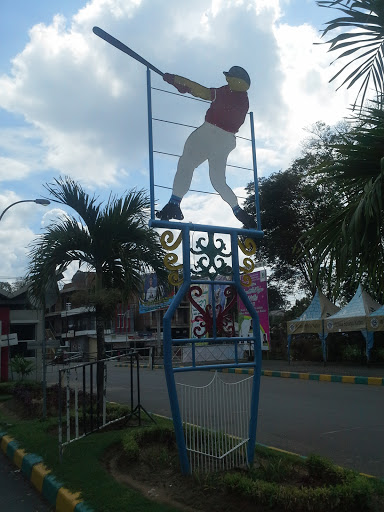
(248, 221)
(170, 211)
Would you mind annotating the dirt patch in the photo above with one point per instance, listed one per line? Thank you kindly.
(147, 480)
(156, 474)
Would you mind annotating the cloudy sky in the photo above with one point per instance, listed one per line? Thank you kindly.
(70, 104)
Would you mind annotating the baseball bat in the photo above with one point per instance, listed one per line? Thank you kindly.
(121, 46)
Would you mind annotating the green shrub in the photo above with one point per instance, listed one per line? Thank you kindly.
(116, 411)
(322, 470)
(353, 496)
(6, 388)
(134, 439)
(352, 353)
(21, 366)
(275, 469)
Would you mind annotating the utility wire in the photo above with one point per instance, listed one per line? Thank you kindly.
(178, 156)
(190, 126)
(182, 95)
(200, 191)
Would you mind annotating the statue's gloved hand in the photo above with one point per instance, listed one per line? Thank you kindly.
(170, 79)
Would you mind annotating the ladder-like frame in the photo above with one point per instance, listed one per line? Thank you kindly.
(187, 282)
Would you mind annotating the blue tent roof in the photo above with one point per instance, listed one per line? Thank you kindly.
(378, 312)
(320, 307)
(361, 305)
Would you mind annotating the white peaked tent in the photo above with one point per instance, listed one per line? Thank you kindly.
(354, 316)
(312, 320)
(375, 323)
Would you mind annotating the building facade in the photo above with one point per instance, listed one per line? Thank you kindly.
(22, 329)
(74, 324)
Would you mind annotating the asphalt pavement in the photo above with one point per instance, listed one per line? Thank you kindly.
(16, 493)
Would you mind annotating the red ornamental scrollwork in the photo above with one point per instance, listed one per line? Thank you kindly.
(224, 321)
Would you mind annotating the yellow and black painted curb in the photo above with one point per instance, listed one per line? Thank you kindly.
(33, 468)
(344, 379)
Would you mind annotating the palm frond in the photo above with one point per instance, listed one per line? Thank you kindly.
(367, 15)
(353, 238)
(53, 251)
(68, 192)
(113, 240)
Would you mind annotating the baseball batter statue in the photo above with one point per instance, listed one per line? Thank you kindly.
(212, 141)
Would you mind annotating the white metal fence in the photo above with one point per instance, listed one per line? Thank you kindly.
(216, 422)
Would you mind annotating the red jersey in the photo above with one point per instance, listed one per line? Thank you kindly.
(228, 108)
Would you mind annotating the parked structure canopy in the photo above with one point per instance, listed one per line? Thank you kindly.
(354, 316)
(312, 320)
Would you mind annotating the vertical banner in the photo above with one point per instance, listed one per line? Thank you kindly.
(257, 293)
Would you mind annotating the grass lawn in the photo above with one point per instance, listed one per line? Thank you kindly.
(81, 468)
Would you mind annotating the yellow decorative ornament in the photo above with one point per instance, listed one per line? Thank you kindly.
(249, 249)
(170, 260)
(166, 240)
(175, 279)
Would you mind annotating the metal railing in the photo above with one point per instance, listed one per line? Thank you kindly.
(83, 408)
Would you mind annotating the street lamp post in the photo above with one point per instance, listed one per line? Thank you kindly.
(44, 202)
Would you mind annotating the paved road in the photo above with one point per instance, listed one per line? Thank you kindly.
(341, 421)
(16, 494)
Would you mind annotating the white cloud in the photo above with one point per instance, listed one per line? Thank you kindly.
(305, 88)
(11, 169)
(88, 100)
(52, 215)
(210, 209)
(15, 235)
(85, 102)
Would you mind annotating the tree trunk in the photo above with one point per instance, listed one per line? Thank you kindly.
(100, 323)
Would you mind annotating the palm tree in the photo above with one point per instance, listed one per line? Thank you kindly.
(363, 46)
(351, 240)
(112, 240)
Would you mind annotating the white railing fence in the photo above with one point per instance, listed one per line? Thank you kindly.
(216, 422)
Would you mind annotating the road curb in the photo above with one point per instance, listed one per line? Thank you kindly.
(305, 457)
(321, 377)
(34, 470)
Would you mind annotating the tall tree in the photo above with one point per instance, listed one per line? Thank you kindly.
(362, 47)
(5, 286)
(351, 241)
(292, 202)
(113, 240)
